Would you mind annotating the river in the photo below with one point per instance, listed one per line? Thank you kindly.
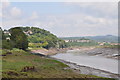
(94, 61)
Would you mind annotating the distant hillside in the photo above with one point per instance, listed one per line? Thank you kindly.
(73, 38)
(79, 41)
(107, 38)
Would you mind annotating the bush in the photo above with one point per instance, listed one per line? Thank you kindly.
(6, 44)
(4, 52)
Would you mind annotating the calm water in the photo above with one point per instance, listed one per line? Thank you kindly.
(97, 62)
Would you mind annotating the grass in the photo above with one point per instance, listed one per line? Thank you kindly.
(39, 67)
(34, 48)
(109, 46)
(83, 44)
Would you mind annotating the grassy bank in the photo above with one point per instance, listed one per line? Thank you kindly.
(20, 64)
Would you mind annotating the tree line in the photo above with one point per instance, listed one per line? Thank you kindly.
(24, 37)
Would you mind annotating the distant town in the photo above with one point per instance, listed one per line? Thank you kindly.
(84, 40)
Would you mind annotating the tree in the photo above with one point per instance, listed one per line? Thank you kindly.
(45, 38)
(4, 43)
(19, 38)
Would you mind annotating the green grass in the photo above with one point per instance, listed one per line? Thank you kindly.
(108, 46)
(14, 63)
(82, 44)
(34, 48)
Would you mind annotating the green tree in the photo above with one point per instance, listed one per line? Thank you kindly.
(45, 38)
(18, 38)
(4, 43)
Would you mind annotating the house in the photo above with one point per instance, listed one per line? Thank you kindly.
(29, 32)
(114, 43)
(7, 32)
(8, 38)
(66, 40)
(78, 40)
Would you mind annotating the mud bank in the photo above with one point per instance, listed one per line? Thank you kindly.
(113, 53)
(81, 69)
(51, 51)
(84, 69)
(88, 70)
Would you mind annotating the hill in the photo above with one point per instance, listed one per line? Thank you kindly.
(44, 38)
(106, 38)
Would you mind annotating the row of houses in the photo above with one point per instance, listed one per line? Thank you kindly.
(29, 32)
(77, 40)
(87, 40)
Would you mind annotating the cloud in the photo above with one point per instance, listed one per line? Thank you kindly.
(90, 0)
(98, 9)
(0, 14)
(15, 12)
(70, 25)
(34, 16)
(78, 25)
(5, 3)
(92, 20)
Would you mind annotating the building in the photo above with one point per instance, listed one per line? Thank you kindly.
(114, 43)
(29, 32)
(77, 40)
(7, 32)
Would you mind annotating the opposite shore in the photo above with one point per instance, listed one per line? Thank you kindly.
(107, 52)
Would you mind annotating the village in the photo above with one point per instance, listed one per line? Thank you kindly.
(83, 40)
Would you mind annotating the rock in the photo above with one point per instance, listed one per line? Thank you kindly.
(28, 68)
(9, 53)
(12, 73)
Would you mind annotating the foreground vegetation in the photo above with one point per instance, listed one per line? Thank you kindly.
(20, 64)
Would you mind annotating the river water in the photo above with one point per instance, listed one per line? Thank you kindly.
(97, 62)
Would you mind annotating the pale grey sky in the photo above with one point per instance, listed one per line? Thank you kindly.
(64, 19)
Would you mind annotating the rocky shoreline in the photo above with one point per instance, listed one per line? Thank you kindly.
(80, 68)
(53, 51)
(107, 52)
(87, 70)
(113, 53)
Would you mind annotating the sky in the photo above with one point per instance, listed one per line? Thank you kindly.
(64, 19)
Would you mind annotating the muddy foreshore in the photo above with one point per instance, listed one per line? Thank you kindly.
(84, 69)
(87, 70)
(81, 69)
(51, 51)
(113, 53)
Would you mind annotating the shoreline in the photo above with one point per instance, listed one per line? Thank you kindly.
(49, 52)
(53, 51)
(81, 69)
